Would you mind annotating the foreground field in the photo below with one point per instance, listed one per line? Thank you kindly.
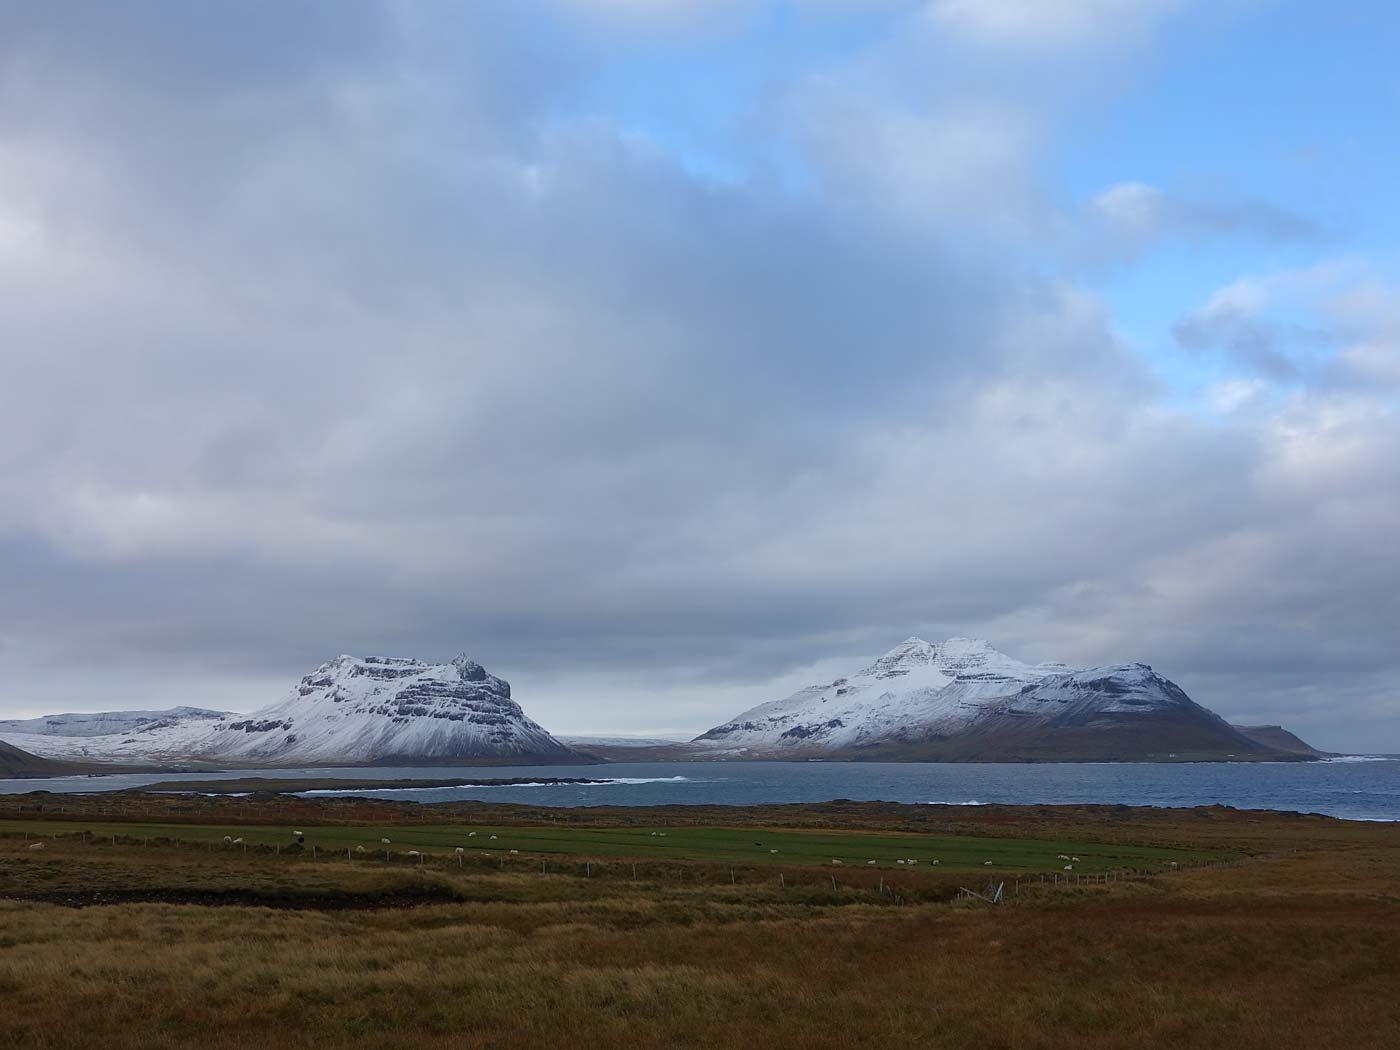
(1293, 943)
(768, 847)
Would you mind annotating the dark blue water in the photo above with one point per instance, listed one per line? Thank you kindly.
(1357, 790)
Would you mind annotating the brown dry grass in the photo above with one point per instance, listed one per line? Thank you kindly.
(1297, 948)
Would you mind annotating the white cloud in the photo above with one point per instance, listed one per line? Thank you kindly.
(395, 358)
(1049, 23)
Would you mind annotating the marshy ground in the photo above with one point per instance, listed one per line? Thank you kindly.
(137, 925)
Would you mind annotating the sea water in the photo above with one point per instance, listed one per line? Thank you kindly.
(1354, 789)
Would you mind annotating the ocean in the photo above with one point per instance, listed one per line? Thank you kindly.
(1353, 788)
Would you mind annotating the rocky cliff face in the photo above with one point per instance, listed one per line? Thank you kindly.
(963, 700)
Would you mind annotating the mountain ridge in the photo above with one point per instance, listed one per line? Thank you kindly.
(349, 711)
(965, 700)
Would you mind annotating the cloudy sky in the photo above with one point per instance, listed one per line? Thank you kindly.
(666, 355)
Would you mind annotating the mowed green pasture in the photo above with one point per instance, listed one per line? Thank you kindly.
(747, 846)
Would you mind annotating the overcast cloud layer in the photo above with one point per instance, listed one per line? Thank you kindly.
(351, 328)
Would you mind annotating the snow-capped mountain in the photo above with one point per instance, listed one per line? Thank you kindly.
(350, 711)
(127, 738)
(386, 709)
(963, 700)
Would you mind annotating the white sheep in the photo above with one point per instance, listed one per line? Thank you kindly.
(459, 851)
(772, 851)
(359, 849)
(297, 834)
(515, 851)
(36, 845)
(1075, 859)
(986, 864)
(836, 862)
(228, 839)
(899, 862)
(870, 862)
(413, 853)
(1069, 867)
(238, 841)
(471, 834)
(493, 838)
(913, 862)
(384, 842)
(933, 862)
(1063, 856)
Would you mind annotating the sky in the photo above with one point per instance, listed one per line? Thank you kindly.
(667, 355)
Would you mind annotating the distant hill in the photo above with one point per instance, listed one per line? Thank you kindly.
(17, 763)
(108, 723)
(1281, 739)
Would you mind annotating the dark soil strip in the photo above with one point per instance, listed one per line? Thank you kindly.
(236, 898)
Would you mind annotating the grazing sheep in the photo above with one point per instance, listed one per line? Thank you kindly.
(913, 862)
(1174, 864)
(870, 862)
(933, 862)
(471, 834)
(662, 834)
(986, 864)
(515, 851)
(772, 851)
(238, 841)
(836, 862)
(36, 845)
(1063, 856)
(1069, 867)
(899, 862)
(1075, 859)
(413, 853)
(297, 834)
(228, 839)
(653, 834)
(459, 851)
(359, 849)
(384, 842)
(493, 838)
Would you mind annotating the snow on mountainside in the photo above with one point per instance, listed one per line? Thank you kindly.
(964, 700)
(105, 723)
(352, 711)
(145, 737)
(382, 709)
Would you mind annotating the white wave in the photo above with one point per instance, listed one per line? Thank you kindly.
(1360, 758)
(459, 787)
(969, 802)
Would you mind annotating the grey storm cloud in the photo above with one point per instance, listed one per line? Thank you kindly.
(325, 332)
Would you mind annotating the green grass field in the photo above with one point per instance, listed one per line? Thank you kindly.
(746, 846)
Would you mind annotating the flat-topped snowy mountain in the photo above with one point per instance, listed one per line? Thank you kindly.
(963, 700)
(388, 709)
(350, 711)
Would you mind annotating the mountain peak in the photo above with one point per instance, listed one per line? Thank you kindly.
(912, 652)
